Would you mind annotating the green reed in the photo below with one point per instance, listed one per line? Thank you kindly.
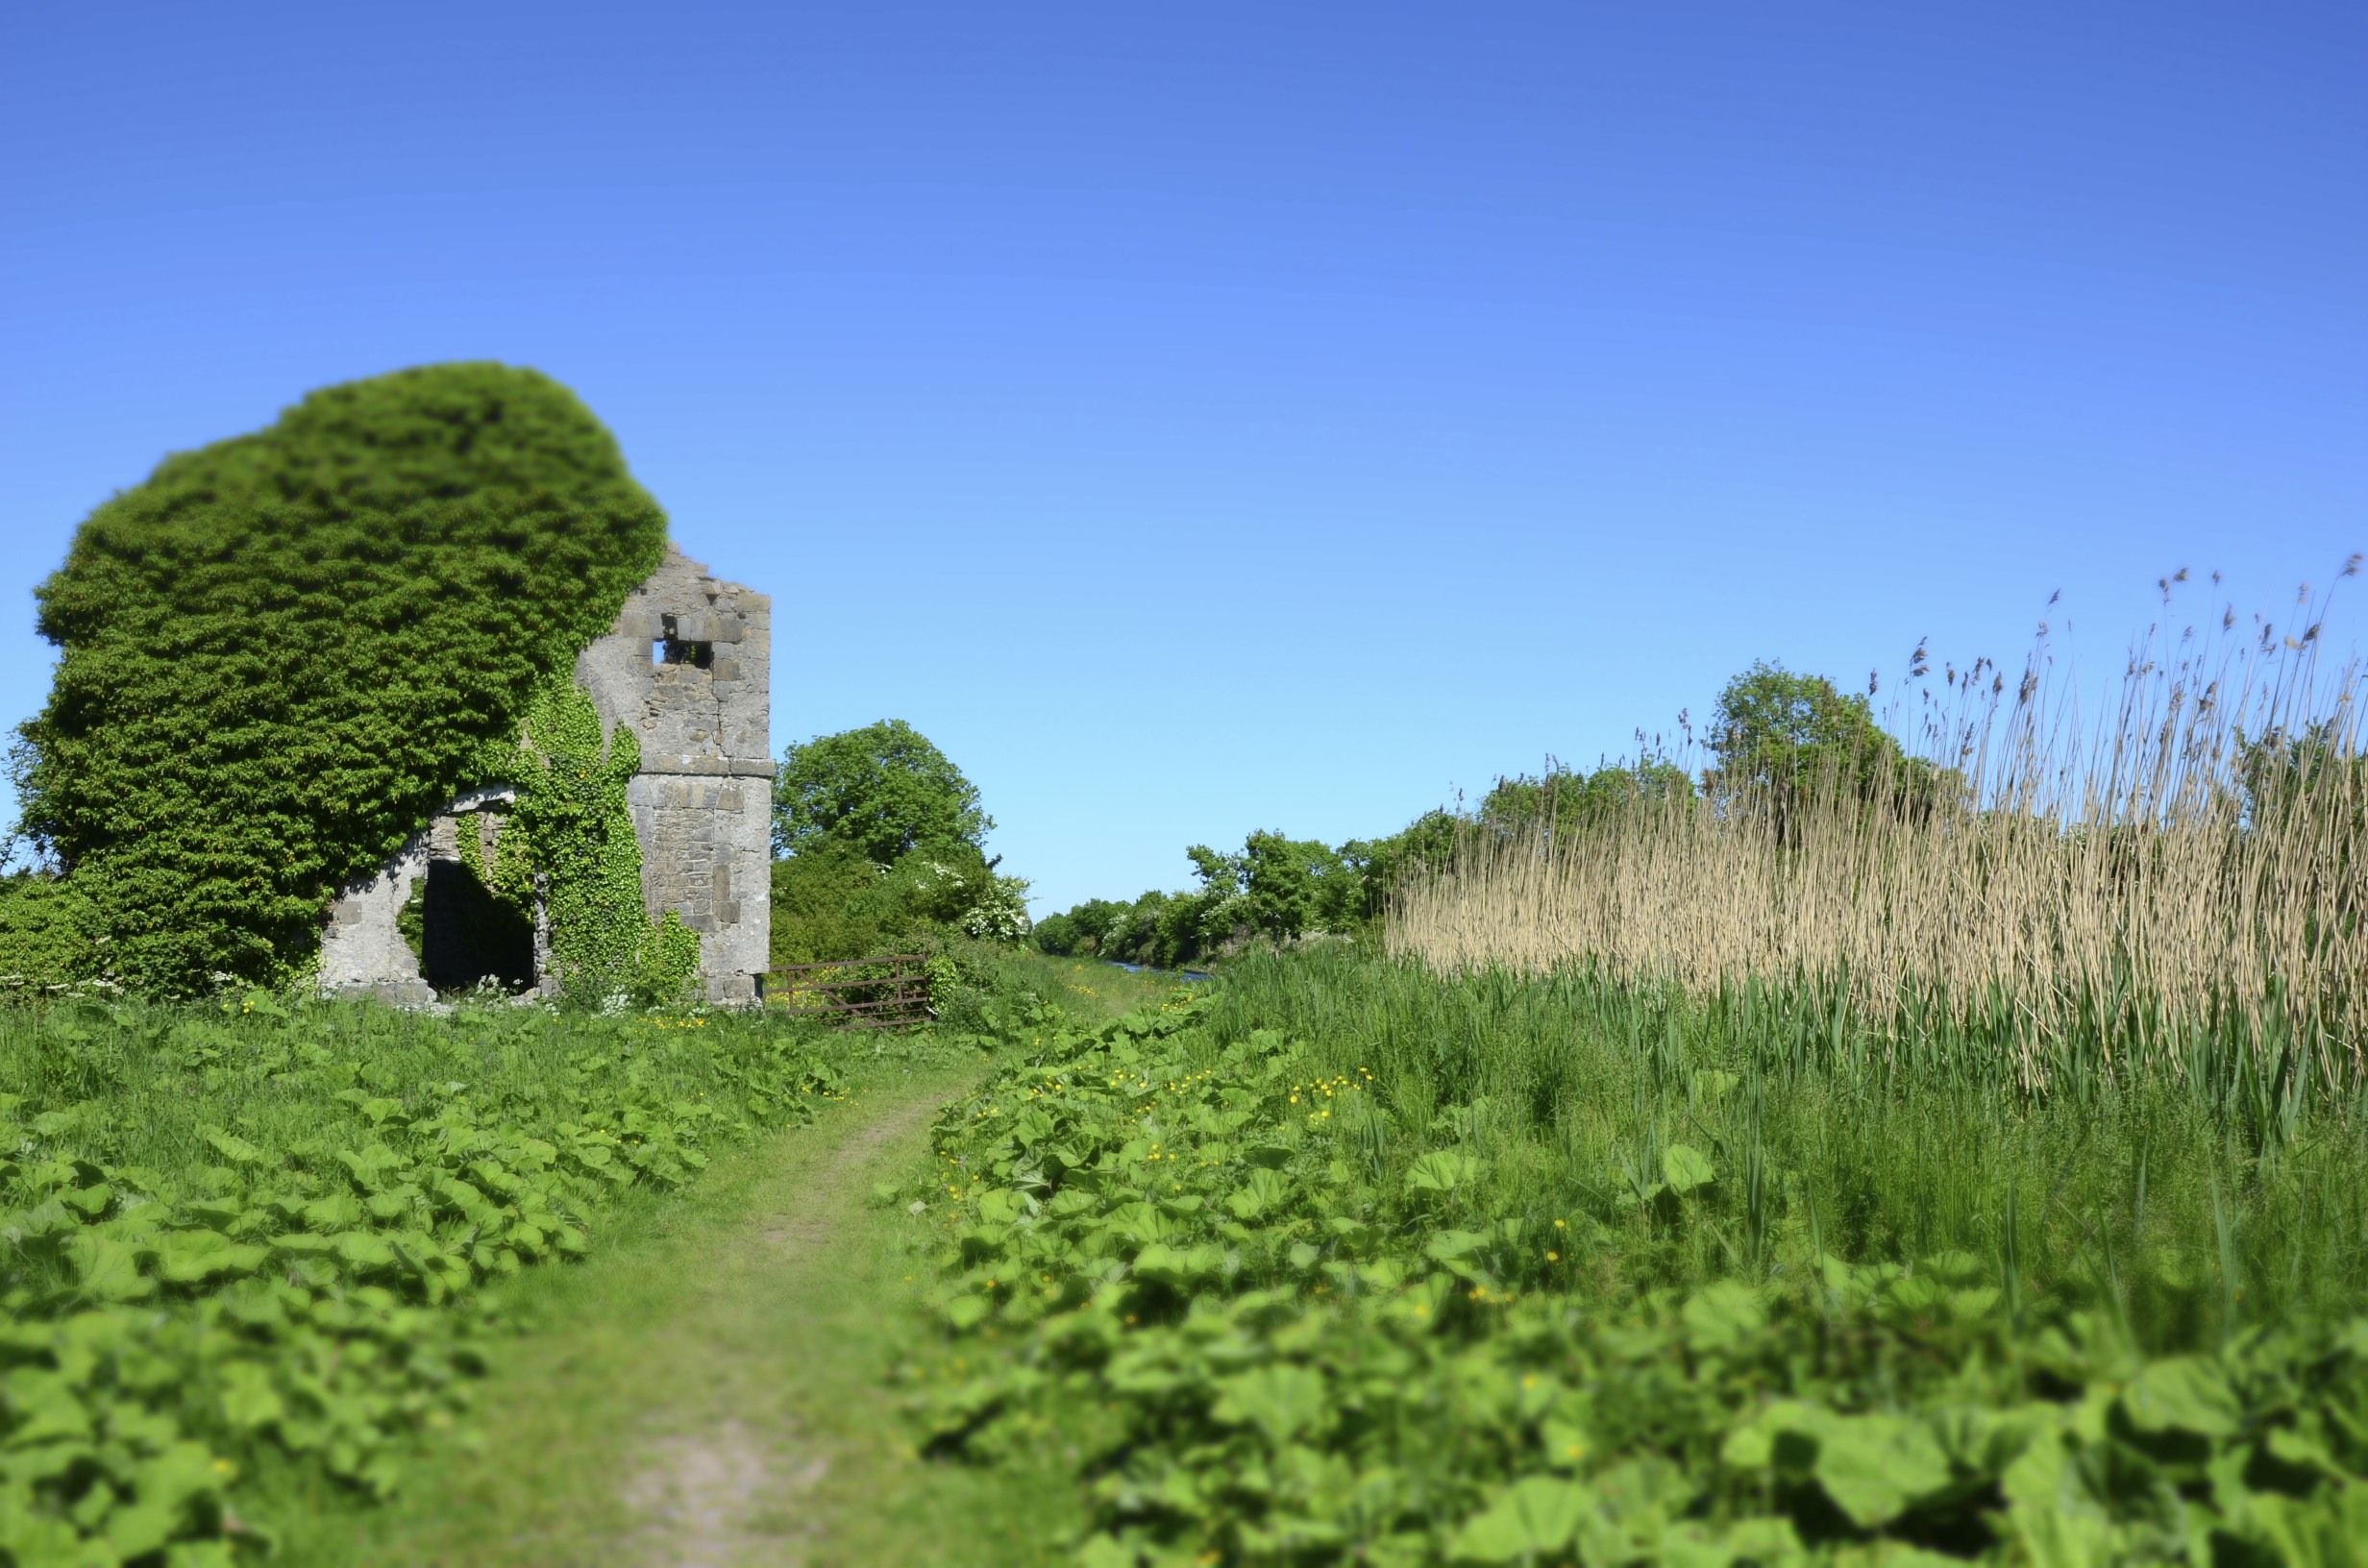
(2196, 1192)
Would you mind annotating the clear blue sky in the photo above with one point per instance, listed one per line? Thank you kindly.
(1206, 418)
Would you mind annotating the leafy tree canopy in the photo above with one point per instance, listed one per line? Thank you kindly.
(1775, 727)
(284, 651)
(1565, 802)
(882, 790)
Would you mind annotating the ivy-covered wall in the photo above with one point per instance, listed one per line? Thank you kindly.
(284, 651)
(572, 836)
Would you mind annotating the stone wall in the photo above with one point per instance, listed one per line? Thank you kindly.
(687, 667)
(363, 948)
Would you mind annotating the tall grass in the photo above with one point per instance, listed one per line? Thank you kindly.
(2080, 996)
(2175, 886)
(1830, 1136)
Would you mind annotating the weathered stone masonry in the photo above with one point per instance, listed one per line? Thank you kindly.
(687, 667)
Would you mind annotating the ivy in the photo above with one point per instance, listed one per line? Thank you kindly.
(284, 651)
(570, 838)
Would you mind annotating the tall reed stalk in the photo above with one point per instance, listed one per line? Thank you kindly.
(2175, 886)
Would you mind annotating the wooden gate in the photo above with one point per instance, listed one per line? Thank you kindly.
(869, 993)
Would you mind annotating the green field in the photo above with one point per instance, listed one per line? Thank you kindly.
(1335, 1259)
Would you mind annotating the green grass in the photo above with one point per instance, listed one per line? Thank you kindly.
(752, 1322)
(1351, 1263)
(256, 1240)
(2205, 1202)
(1089, 988)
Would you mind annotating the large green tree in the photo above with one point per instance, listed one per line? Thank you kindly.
(1775, 727)
(882, 790)
(284, 651)
(1564, 803)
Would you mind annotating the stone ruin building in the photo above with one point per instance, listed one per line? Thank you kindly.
(688, 667)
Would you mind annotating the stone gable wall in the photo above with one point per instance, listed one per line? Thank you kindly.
(687, 666)
(703, 802)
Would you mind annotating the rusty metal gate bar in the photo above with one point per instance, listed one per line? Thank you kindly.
(900, 996)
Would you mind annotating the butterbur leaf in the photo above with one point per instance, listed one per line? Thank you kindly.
(2326, 1530)
(2188, 1393)
(140, 1528)
(1161, 1263)
(1104, 1552)
(1684, 1169)
(1537, 1513)
(235, 1149)
(192, 1256)
(108, 1269)
(1875, 1466)
(360, 1249)
(249, 1400)
(89, 1202)
(2055, 1537)
(1449, 1244)
(1282, 1401)
(1442, 1170)
(1723, 1316)
(44, 1406)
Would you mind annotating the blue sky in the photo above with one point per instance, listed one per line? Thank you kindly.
(1200, 419)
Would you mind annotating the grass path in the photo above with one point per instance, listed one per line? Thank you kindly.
(708, 1389)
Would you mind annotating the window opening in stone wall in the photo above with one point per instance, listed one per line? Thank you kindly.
(467, 934)
(672, 649)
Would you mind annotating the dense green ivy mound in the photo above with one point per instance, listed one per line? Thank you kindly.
(284, 651)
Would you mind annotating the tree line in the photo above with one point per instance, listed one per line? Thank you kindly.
(1775, 734)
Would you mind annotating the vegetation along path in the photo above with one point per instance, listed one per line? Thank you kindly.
(712, 1387)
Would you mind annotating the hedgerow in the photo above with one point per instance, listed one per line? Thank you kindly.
(242, 1237)
(1195, 1265)
(283, 653)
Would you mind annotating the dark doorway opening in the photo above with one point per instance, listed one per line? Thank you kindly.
(467, 934)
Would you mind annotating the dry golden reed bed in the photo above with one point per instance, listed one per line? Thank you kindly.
(2114, 880)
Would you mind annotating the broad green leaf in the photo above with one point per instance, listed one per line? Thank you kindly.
(1684, 1169)
(1162, 1262)
(89, 1202)
(1752, 1444)
(1766, 1541)
(2326, 1529)
(2188, 1393)
(1723, 1316)
(1711, 1084)
(43, 1406)
(108, 1269)
(1874, 1466)
(235, 1149)
(360, 1249)
(1282, 1400)
(1535, 1514)
(1447, 1244)
(2059, 1537)
(249, 1400)
(141, 1527)
(1103, 1552)
(192, 1257)
(1442, 1170)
